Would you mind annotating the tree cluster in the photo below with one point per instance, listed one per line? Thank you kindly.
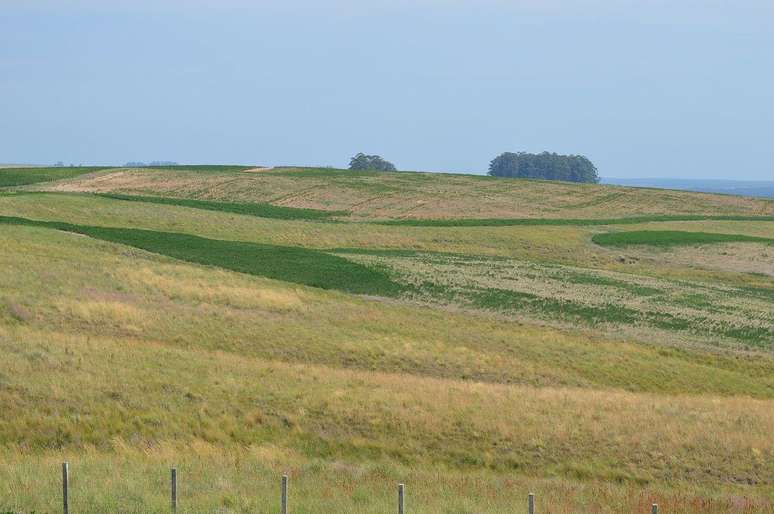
(546, 165)
(370, 162)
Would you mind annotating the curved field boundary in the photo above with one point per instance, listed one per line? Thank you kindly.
(672, 238)
(291, 264)
(10, 177)
(494, 222)
(261, 210)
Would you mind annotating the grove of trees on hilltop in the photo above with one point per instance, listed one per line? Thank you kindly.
(545, 165)
(370, 162)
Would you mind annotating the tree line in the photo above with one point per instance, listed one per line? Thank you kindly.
(545, 166)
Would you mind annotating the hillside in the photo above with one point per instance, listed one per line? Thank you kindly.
(476, 338)
(369, 196)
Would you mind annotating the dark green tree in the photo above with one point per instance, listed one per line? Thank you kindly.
(545, 165)
(370, 162)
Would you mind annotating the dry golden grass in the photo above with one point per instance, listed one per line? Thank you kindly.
(73, 391)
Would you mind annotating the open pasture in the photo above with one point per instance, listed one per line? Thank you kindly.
(216, 327)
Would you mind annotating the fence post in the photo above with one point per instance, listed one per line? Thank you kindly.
(531, 500)
(66, 487)
(174, 489)
(284, 494)
(654, 509)
(401, 499)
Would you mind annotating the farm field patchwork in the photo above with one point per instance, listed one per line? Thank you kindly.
(293, 264)
(566, 295)
(212, 323)
(385, 196)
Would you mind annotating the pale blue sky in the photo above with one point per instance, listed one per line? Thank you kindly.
(644, 89)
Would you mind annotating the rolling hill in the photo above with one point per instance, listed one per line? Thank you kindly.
(476, 338)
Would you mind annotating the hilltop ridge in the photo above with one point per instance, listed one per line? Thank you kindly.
(409, 195)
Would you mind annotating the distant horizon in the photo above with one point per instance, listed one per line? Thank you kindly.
(604, 179)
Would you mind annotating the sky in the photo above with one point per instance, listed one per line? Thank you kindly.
(681, 89)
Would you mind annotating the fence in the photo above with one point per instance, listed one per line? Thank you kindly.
(284, 508)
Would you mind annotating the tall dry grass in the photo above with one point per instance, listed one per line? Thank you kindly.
(69, 391)
(246, 480)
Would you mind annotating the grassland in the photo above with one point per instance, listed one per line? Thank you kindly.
(25, 176)
(475, 363)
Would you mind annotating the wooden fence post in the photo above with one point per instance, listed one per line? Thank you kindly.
(654, 509)
(174, 489)
(284, 494)
(401, 499)
(531, 502)
(66, 487)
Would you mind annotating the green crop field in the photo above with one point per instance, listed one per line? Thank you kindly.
(673, 238)
(25, 176)
(474, 338)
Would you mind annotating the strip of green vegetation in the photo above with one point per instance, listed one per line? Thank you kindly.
(291, 264)
(508, 222)
(759, 292)
(261, 210)
(672, 238)
(24, 176)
